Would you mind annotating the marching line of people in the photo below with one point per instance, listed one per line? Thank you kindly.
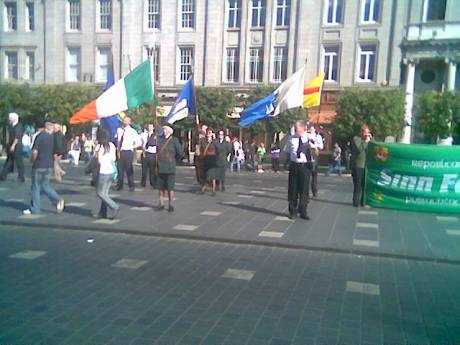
(214, 155)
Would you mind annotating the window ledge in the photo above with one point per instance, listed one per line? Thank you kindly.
(233, 29)
(257, 28)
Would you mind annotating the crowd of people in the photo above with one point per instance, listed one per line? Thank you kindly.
(215, 154)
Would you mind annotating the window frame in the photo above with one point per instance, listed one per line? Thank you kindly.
(236, 14)
(286, 12)
(335, 22)
(358, 63)
(426, 8)
(337, 59)
(278, 65)
(69, 15)
(261, 14)
(190, 12)
(190, 64)
(154, 14)
(98, 64)
(28, 75)
(7, 65)
(259, 63)
(156, 59)
(6, 16)
(372, 8)
(99, 15)
(29, 19)
(235, 61)
(68, 65)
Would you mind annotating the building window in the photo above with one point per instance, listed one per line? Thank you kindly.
(186, 61)
(11, 65)
(234, 14)
(283, 12)
(154, 53)
(73, 65)
(73, 15)
(103, 64)
(256, 65)
(279, 64)
(30, 22)
(434, 10)
(333, 12)
(370, 11)
(331, 63)
(153, 14)
(30, 66)
(366, 61)
(188, 14)
(233, 65)
(105, 14)
(10, 18)
(258, 13)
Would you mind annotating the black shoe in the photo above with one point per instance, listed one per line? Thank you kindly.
(315, 195)
(99, 216)
(161, 208)
(171, 209)
(119, 188)
(292, 215)
(143, 184)
(304, 216)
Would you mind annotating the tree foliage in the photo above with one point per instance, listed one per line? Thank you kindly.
(438, 115)
(381, 110)
(213, 106)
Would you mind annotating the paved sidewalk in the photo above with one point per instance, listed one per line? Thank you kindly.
(252, 211)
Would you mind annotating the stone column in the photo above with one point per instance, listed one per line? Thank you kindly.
(410, 81)
(451, 71)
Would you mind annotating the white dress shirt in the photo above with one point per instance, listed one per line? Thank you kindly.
(316, 141)
(128, 139)
(292, 145)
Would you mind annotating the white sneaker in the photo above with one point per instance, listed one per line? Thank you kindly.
(60, 206)
(27, 212)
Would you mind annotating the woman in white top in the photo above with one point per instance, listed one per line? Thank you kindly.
(106, 154)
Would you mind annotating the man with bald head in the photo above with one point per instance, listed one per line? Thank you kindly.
(128, 142)
(14, 148)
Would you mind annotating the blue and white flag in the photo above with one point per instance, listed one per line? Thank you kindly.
(288, 95)
(185, 104)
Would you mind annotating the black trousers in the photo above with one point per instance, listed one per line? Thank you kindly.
(148, 169)
(125, 164)
(358, 175)
(13, 158)
(314, 182)
(298, 186)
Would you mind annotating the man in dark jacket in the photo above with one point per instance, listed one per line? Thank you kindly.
(223, 149)
(60, 150)
(14, 148)
(358, 164)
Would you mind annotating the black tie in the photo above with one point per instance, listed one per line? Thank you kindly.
(299, 148)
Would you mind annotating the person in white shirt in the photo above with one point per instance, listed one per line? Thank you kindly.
(299, 150)
(128, 142)
(105, 152)
(317, 142)
(236, 159)
(149, 152)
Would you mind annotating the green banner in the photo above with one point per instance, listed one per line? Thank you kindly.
(413, 177)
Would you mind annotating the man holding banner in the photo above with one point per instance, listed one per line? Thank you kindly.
(358, 164)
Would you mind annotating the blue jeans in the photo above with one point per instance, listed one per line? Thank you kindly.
(103, 187)
(41, 182)
(236, 165)
(336, 165)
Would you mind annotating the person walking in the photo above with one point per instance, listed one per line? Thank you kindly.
(198, 157)
(316, 144)
(128, 142)
(208, 151)
(42, 167)
(358, 164)
(236, 161)
(60, 149)
(14, 148)
(169, 152)
(275, 156)
(300, 166)
(336, 164)
(149, 152)
(105, 153)
(223, 149)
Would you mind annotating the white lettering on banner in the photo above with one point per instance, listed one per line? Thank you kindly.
(448, 181)
(405, 182)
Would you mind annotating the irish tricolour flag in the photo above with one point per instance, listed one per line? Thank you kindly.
(133, 90)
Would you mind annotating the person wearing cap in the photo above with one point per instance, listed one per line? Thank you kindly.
(42, 168)
(14, 148)
(169, 151)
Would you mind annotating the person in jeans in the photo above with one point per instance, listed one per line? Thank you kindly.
(106, 156)
(42, 168)
(14, 148)
(336, 160)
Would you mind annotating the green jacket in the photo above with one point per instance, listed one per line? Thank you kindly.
(222, 150)
(358, 153)
(167, 155)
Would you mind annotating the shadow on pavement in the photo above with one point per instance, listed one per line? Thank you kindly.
(254, 209)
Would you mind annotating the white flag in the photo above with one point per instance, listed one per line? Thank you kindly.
(290, 93)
